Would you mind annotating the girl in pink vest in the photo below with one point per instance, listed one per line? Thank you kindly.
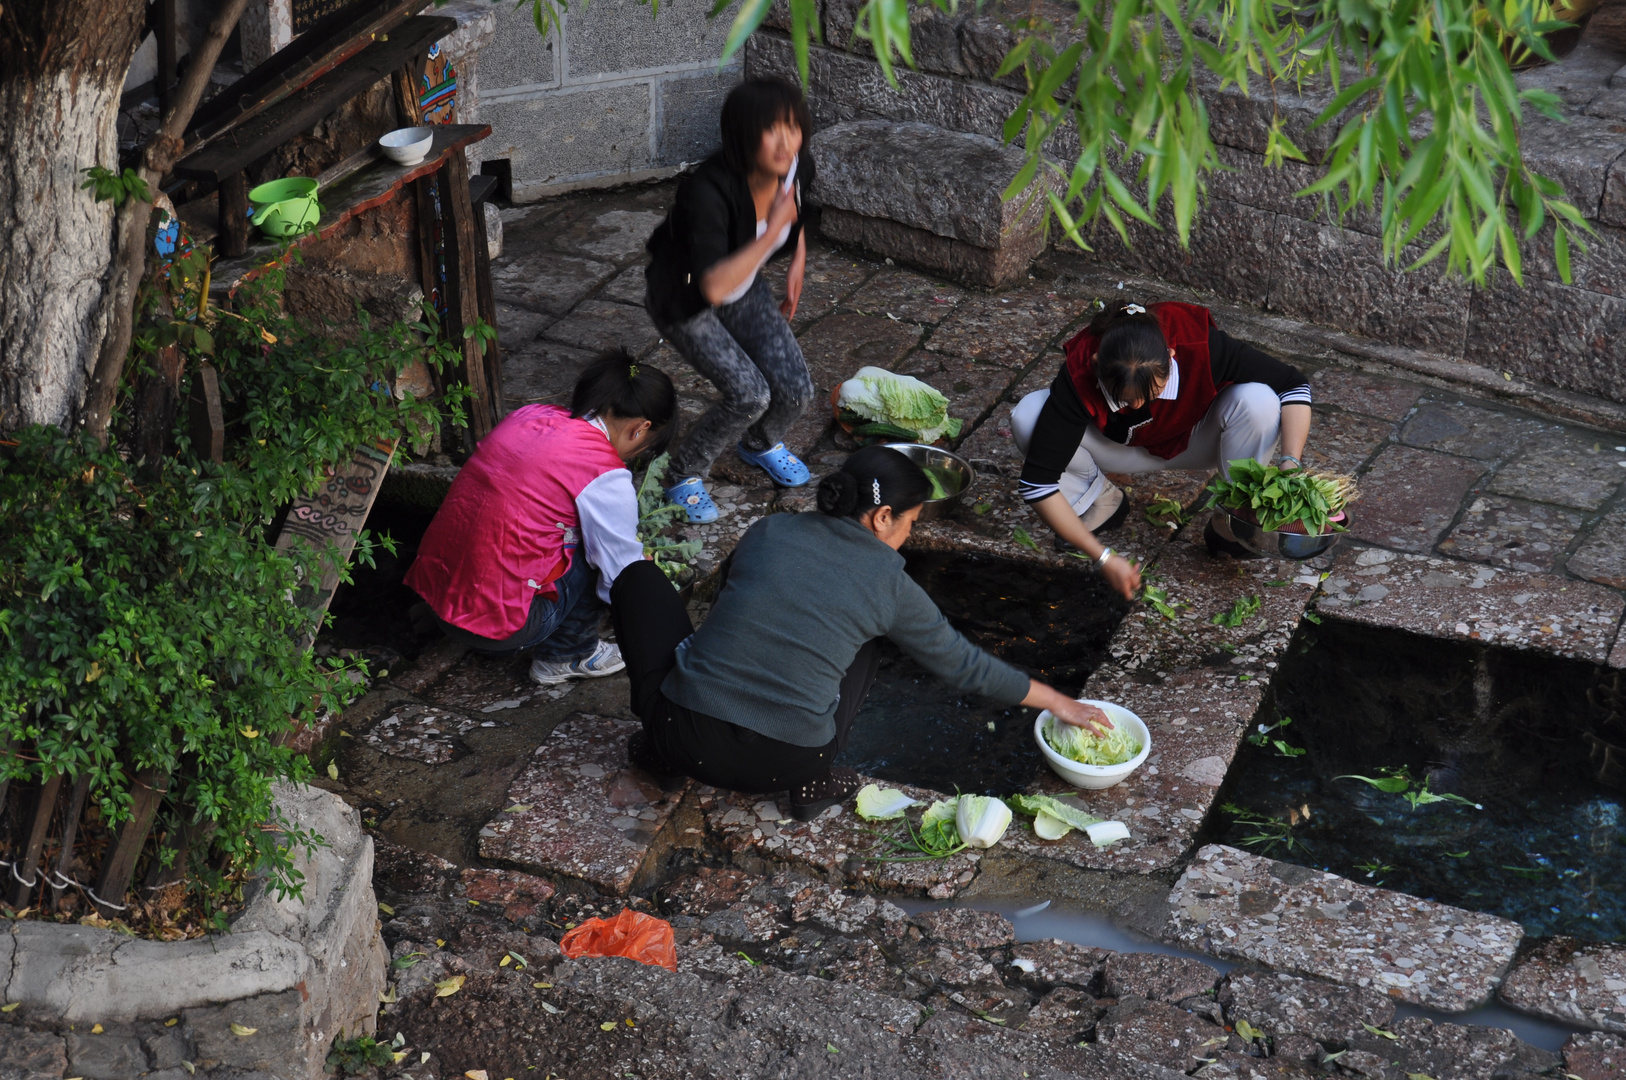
(1148, 388)
(542, 519)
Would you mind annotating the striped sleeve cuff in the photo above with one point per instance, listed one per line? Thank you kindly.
(1299, 395)
(1035, 492)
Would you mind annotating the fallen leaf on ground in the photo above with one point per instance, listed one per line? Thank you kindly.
(332, 770)
(608, 1025)
(386, 909)
(448, 987)
(476, 1074)
(239, 1029)
(96, 1029)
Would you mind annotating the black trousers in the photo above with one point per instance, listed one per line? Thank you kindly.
(650, 622)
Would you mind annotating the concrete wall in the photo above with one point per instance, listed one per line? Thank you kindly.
(1257, 244)
(614, 95)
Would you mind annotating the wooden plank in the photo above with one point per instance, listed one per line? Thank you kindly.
(457, 240)
(157, 396)
(428, 231)
(70, 832)
(207, 421)
(329, 43)
(44, 809)
(488, 305)
(237, 149)
(146, 793)
(406, 93)
(233, 221)
(371, 186)
(329, 520)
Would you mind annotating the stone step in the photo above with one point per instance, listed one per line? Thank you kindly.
(1239, 906)
(1573, 982)
(579, 810)
(927, 196)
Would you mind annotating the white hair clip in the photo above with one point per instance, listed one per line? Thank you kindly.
(875, 486)
(1134, 309)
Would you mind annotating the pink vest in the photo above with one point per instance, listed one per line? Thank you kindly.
(499, 537)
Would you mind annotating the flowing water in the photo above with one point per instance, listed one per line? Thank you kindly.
(915, 729)
(1527, 829)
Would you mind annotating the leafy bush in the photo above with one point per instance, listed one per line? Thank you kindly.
(147, 620)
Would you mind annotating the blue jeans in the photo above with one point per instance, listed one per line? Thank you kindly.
(560, 628)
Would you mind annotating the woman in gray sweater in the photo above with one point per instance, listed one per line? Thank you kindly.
(761, 697)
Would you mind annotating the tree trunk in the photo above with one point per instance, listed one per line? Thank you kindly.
(62, 67)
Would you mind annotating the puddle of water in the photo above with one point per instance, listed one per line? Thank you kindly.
(915, 729)
(1508, 732)
(1042, 921)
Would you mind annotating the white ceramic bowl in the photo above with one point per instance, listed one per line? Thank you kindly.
(1095, 777)
(407, 146)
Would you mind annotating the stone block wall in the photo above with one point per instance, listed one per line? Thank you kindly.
(1257, 244)
(614, 95)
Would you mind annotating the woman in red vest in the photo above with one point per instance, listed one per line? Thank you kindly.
(542, 519)
(1143, 389)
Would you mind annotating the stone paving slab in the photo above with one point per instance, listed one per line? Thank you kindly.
(1444, 599)
(1281, 1004)
(1574, 470)
(626, 287)
(831, 276)
(1602, 556)
(1471, 431)
(1342, 442)
(1357, 391)
(1512, 533)
(597, 325)
(425, 733)
(1410, 496)
(1238, 906)
(541, 370)
(903, 294)
(1595, 1055)
(838, 845)
(581, 810)
(1010, 328)
(1572, 982)
(551, 285)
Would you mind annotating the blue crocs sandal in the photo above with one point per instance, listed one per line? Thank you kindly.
(692, 495)
(785, 467)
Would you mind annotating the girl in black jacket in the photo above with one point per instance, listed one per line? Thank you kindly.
(707, 297)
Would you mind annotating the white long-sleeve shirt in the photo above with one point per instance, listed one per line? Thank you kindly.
(608, 511)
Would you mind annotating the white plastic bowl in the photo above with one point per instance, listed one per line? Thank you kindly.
(407, 146)
(1095, 777)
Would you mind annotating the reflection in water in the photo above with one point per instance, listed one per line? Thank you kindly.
(1043, 921)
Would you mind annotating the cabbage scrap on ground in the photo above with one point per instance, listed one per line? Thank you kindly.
(1087, 748)
(950, 826)
(884, 405)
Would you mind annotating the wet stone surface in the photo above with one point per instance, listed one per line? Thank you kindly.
(579, 809)
(1576, 471)
(1239, 906)
(1573, 982)
(423, 733)
(1595, 1055)
(1409, 497)
(1283, 1005)
(1357, 391)
(1602, 556)
(1439, 598)
(1470, 431)
(1513, 533)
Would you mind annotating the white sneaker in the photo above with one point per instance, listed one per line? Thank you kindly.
(606, 660)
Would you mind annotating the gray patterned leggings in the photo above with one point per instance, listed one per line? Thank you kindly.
(748, 352)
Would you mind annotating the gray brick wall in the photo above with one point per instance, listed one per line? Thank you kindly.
(615, 95)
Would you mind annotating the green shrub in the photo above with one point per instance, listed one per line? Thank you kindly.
(146, 620)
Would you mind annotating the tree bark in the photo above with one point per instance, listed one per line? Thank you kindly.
(62, 67)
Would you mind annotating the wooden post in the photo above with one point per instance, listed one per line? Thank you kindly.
(233, 215)
(118, 867)
(207, 422)
(488, 311)
(423, 194)
(406, 93)
(157, 396)
(458, 241)
(70, 832)
(43, 809)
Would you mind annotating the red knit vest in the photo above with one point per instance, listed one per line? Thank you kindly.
(499, 537)
(1166, 435)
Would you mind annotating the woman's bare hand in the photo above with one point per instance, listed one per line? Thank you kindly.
(1122, 575)
(782, 211)
(1081, 715)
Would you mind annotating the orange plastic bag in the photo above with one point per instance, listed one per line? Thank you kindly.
(632, 934)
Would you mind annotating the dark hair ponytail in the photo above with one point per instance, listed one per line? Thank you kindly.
(1131, 353)
(617, 385)
(874, 476)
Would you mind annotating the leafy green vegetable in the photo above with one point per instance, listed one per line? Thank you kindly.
(1158, 598)
(981, 821)
(1021, 536)
(1279, 499)
(1054, 819)
(1399, 781)
(1167, 513)
(938, 490)
(1087, 748)
(876, 803)
(900, 400)
(1243, 609)
(656, 513)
